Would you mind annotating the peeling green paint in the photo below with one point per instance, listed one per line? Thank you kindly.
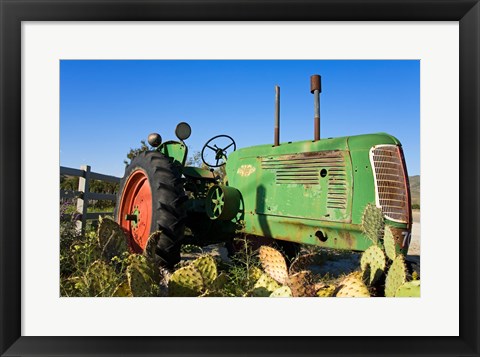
(311, 192)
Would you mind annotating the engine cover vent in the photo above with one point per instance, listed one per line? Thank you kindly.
(337, 188)
(304, 168)
(308, 185)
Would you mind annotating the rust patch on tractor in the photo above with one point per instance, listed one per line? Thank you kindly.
(347, 239)
(246, 170)
(308, 155)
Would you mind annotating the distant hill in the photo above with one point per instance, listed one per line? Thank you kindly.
(415, 189)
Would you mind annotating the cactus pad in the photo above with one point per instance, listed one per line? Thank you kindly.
(207, 268)
(326, 291)
(273, 263)
(373, 223)
(264, 286)
(220, 281)
(101, 279)
(122, 290)
(410, 289)
(300, 284)
(139, 284)
(283, 291)
(211, 293)
(142, 276)
(254, 274)
(111, 238)
(151, 246)
(186, 281)
(373, 259)
(352, 286)
(144, 266)
(389, 244)
(396, 276)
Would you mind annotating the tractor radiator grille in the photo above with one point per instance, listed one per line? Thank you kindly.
(391, 183)
(305, 168)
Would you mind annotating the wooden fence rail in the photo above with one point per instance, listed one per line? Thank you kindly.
(83, 194)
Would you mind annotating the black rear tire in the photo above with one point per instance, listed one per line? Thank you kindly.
(168, 211)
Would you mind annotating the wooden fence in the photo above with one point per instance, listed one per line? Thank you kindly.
(83, 194)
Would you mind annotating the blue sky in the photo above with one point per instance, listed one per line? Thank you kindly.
(107, 107)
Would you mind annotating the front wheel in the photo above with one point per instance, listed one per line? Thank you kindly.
(151, 198)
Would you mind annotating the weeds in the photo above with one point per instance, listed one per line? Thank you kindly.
(78, 253)
(91, 265)
(242, 270)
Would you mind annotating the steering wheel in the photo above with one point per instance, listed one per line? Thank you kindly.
(219, 153)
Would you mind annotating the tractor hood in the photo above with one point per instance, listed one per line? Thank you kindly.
(349, 143)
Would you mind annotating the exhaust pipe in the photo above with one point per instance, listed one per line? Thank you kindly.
(316, 89)
(276, 134)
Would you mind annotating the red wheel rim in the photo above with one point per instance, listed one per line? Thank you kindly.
(135, 210)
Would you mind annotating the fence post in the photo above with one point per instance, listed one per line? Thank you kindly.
(82, 202)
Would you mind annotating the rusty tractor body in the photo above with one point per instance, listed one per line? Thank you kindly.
(310, 192)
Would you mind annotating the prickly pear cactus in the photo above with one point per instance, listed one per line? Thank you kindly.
(151, 246)
(199, 278)
(111, 238)
(373, 223)
(142, 276)
(389, 244)
(186, 281)
(353, 286)
(211, 293)
(122, 290)
(254, 274)
(396, 276)
(207, 268)
(101, 279)
(373, 259)
(410, 289)
(264, 286)
(283, 291)
(144, 266)
(138, 283)
(220, 282)
(325, 291)
(300, 284)
(273, 263)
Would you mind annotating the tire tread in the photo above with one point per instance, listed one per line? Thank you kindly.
(168, 196)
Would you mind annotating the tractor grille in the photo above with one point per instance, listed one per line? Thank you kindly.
(391, 184)
(303, 169)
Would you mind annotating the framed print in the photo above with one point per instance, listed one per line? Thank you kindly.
(48, 48)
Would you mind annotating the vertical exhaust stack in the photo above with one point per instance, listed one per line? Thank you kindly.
(316, 89)
(276, 134)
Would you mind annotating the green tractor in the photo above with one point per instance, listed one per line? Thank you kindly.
(307, 192)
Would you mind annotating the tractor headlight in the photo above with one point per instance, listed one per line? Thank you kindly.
(154, 140)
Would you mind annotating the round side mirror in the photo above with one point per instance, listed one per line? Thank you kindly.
(183, 131)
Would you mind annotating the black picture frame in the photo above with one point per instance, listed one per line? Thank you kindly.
(13, 12)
